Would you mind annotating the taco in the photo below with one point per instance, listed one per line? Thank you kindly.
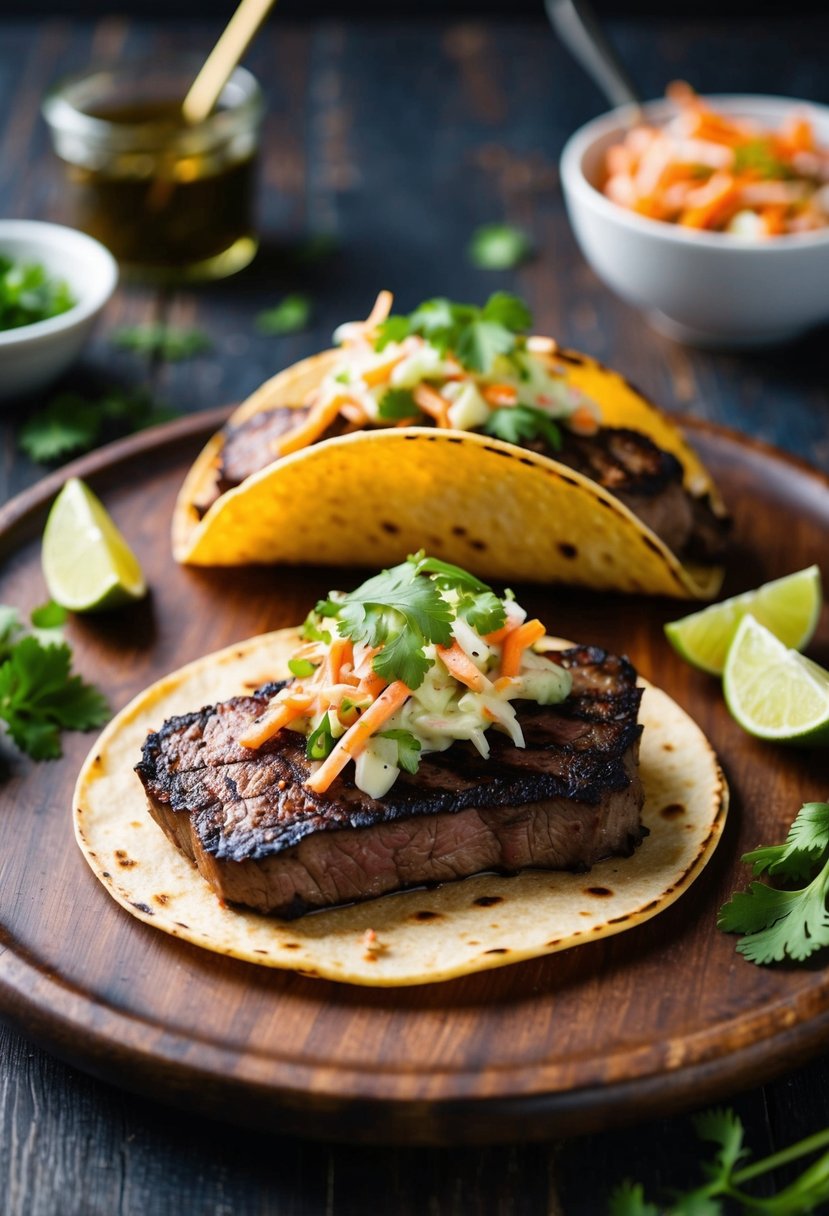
(452, 428)
(410, 788)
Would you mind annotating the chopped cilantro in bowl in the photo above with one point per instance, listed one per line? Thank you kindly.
(28, 293)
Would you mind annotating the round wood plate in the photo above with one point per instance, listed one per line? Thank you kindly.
(663, 1016)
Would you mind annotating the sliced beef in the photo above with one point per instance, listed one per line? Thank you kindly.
(249, 446)
(262, 839)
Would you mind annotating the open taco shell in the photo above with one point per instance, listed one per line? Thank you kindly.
(420, 936)
(372, 496)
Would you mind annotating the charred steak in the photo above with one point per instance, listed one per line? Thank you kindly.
(263, 840)
(626, 463)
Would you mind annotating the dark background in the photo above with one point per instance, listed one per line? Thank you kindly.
(750, 11)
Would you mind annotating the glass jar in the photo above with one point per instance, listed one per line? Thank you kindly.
(171, 201)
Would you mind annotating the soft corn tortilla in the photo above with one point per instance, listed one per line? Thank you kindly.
(422, 936)
(371, 497)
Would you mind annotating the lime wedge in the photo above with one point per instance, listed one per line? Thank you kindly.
(789, 607)
(774, 692)
(87, 564)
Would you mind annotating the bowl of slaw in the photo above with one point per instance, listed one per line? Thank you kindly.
(741, 286)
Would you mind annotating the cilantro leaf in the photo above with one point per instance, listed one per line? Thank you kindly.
(402, 612)
(408, 749)
(498, 247)
(291, 315)
(484, 612)
(508, 310)
(38, 696)
(726, 1130)
(68, 424)
(28, 294)
(71, 424)
(481, 342)
(779, 922)
(166, 341)
(516, 422)
(628, 1199)
(393, 329)
(10, 627)
(397, 404)
(449, 574)
(49, 616)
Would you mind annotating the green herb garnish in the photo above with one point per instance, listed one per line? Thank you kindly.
(71, 424)
(288, 317)
(477, 336)
(402, 610)
(28, 294)
(499, 247)
(520, 422)
(39, 696)
(165, 341)
(408, 748)
(786, 921)
(397, 404)
(727, 1174)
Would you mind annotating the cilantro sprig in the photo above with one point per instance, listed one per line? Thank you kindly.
(402, 610)
(476, 336)
(39, 695)
(498, 247)
(70, 424)
(28, 294)
(728, 1172)
(521, 422)
(785, 920)
(168, 342)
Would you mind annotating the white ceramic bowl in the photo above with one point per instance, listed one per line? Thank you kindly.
(31, 356)
(706, 288)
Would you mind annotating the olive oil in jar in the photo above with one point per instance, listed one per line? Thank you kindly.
(170, 201)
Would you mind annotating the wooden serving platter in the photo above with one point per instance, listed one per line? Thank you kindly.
(664, 1016)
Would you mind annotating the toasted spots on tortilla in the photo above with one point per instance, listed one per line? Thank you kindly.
(524, 503)
(424, 914)
(567, 550)
(600, 892)
(161, 899)
(123, 858)
(535, 908)
(672, 810)
(389, 527)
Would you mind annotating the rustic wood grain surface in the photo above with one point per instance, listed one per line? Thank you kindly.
(395, 140)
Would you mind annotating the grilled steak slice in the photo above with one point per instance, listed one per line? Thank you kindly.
(628, 464)
(261, 839)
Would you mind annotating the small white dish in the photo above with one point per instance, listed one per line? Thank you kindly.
(706, 288)
(32, 356)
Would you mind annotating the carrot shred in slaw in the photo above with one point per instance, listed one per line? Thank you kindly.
(708, 171)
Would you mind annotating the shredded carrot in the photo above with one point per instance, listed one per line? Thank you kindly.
(583, 421)
(277, 715)
(318, 419)
(703, 168)
(432, 403)
(516, 643)
(381, 309)
(381, 373)
(354, 741)
(372, 684)
(340, 651)
(459, 665)
(500, 394)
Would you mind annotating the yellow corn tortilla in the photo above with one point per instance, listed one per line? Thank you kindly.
(371, 497)
(422, 936)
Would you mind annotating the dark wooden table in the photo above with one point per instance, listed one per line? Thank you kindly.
(396, 140)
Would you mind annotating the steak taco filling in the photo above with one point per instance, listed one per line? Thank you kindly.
(459, 367)
(422, 738)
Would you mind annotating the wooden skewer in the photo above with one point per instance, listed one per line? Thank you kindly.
(237, 36)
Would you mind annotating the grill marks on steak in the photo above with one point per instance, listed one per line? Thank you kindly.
(626, 463)
(261, 839)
